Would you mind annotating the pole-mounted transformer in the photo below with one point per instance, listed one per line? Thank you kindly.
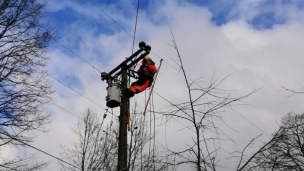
(113, 89)
(113, 97)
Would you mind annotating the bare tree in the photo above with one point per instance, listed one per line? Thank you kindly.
(21, 164)
(292, 91)
(140, 156)
(24, 88)
(285, 150)
(23, 85)
(204, 104)
(96, 147)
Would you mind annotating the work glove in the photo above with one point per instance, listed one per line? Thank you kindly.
(146, 63)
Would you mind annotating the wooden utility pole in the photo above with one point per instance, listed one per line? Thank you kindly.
(124, 66)
(122, 144)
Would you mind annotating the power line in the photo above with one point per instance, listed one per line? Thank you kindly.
(66, 110)
(130, 34)
(127, 31)
(232, 109)
(122, 29)
(134, 33)
(42, 151)
(135, 26)
(134, 66)
(250, 122)
(112, 19)
(77, 55)
(76, 92)
(76, 115)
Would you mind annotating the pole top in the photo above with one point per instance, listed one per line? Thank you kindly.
(142, 45)
(148, 48)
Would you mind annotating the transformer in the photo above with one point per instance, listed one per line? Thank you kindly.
(113, 97)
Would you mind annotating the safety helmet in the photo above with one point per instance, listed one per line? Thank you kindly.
(147, 57)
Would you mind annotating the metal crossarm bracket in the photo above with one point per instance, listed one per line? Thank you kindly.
(143, 47)
(133, 74)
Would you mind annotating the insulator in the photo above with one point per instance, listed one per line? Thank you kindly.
(142, 45)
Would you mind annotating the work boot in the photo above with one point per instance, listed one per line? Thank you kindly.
(130, 93)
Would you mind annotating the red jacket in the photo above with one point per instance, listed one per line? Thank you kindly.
(150, 69)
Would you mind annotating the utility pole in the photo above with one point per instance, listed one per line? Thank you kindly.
(113, 102)
(122, 144)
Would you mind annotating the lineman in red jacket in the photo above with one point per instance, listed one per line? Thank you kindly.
(146, 73)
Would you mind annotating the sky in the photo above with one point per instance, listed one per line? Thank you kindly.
(259, 43)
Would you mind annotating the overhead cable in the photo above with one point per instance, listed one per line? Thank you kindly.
(111, 18)
(76, 92)
(78, 56)
(135, 25)
(66, 110)
(42, 151)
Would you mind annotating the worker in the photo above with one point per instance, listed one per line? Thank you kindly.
(146, 73)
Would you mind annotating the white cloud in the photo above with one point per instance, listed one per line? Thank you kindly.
(257, 59)
(8, 152)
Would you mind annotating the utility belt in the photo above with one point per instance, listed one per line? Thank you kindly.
(151, 79)
(144, 77)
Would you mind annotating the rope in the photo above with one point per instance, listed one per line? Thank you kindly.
(150, 137)
(153, 133)
(142, 135)
(152, 86)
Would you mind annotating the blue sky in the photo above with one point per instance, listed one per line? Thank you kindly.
(222, 11)
(66, 20)
(259, 42)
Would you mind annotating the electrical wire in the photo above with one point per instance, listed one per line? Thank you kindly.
(127, 31)
(232, 109)
(77, 55)
(76, 91)
(111, 19)
(129, 79)
(41, 151)
(250, 122)
(104, 116)
(66, 110)
(135, 26)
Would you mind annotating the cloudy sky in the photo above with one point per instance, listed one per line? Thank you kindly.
(259, 42)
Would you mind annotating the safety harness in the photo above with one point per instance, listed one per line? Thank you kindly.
(146, 73)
